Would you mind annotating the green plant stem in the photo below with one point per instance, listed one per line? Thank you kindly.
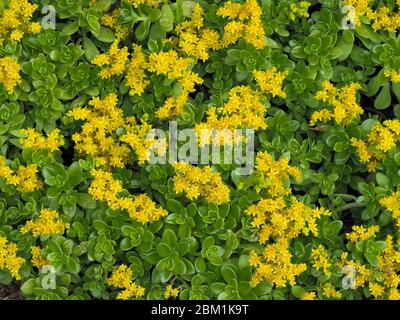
(350, 206)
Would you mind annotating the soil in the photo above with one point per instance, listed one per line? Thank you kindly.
(9, 293)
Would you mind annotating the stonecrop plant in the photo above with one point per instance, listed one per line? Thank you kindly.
(124, 126)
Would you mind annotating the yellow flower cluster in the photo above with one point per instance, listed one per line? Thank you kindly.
(363, 274)
(244, 109)
(15, 20)
(25, 179)
(170, 292)
(384, 19)
(9, 73)
(281, 220)
(392, 204)
(177, 68)
(198, 182)
(113, 62)
(329, 291)
(111, 21)
(136, 138)
(376, 290)
(309, 296)
(137, 3)
(98, 137)
(194, 39)
(273, 175)
(49, 223)
(244, 23)
(299, 10)
(320, 257)
(105, 188)
(360, 233)
(389, 267)
(121, 278)
(381, 139)
(37, 259)
(135, 74)
(385, 136)
(270, 81)
(277, 219)
(9, 259)
(361, 7)
(37, 141)
(276, 266)
(371, 158)
(343, 101)
(393, 75)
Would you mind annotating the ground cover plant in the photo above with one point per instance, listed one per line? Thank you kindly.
(86, 214)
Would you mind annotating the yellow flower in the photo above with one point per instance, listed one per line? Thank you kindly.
(15, 20)
(299, 10)
(137, 139)
(276, 266)
(25, 179)
(98, 137)
(170, 292)
(244, 109)
(273, 175)
(112, 63)
(37, 141)
(194, 39)
(254, 259)
(135, 75)
(392, 204)
(362, 149)
(309, 296)
(9, 259)
(48, 223)
(121, 278)
(320, 257)
(37, 259)
(270, 81)
(393, 75)
(111, 21)
(176, 68)
(376, 290)
(382, 137)
(361, 233)
(198, 182)
(361, 7)
(384, 19)
(245, 22)
(137, 3)
(9, 73)
(329, 291)
(277, 218)
(141, 208)
(343, 101)
(323, 115)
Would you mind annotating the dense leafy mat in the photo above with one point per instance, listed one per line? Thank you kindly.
(85, 215)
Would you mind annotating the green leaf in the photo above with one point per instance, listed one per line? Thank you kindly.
(384, 99)
(169, 238)
(90, 48)
(297, 291)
